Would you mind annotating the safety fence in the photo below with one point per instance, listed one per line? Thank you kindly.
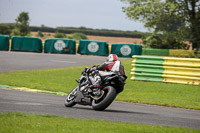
(4, 42)
(126, 50)
(27, 44)
(69, 46)
(87, 47)
(168, 52)
(58, 45)
(181, 53)
(90, 47)
(166, 69)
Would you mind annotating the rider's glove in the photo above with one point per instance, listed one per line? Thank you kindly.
(87, 69)
(93, 69)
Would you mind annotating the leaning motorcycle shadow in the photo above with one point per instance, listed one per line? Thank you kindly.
(112, 111)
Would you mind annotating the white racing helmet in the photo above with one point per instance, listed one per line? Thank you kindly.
(112, 57)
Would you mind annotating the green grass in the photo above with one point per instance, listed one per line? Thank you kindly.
(63, 79)
(31, 123)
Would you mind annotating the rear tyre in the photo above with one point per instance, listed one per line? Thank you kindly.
(70, 99)
(109, 95)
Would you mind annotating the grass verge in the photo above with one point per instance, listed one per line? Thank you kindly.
(63, 80)
(31, 123)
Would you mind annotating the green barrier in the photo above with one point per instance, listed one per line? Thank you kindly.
(126, 50)
(147, 68)
(93, 47)
(4, 42)
(59, 45)
(181, 53)
(161, 52)
(28, 44)
(166, 69)
(150, 60)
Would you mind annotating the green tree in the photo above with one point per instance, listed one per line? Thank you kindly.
(175, 19)
(4, 29)
(22, 23)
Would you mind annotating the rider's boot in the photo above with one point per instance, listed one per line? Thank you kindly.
(96, 86)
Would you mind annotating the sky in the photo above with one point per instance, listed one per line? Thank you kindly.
(96, 14)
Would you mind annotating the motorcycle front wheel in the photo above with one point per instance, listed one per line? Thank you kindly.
(108, 97)
(70, 99)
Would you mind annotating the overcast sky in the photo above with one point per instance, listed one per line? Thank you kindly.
(97, 14)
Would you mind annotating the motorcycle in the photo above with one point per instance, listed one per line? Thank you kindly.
(99, 97)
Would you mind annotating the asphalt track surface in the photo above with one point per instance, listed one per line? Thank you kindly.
(28, 102)
(17, 61)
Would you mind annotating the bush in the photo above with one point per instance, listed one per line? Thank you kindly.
(15, 32)
(152, 41)
(59, 35)
(78, 36)
(39, 34)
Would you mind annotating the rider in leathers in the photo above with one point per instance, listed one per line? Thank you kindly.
(111, 65)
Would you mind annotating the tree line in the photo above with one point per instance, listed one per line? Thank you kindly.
(88, 31)
(8, 28)
(11, 29)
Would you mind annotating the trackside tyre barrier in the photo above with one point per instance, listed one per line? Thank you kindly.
(90, 47)
(181, 53)
(160, 52)
(166, 69)
(60, 45)
(27, 44)
(168, 52)
(126, 50)
(4, 42)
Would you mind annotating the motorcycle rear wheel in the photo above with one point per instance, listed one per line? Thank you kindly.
(70, 99)
(109, 95)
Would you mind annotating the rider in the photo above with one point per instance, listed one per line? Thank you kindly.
(112, 64)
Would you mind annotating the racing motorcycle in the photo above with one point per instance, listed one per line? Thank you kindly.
(99, 97)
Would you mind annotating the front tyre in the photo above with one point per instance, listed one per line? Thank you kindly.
(70, 99)
(109, 95)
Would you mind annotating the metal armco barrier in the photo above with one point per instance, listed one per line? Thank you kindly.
(166, 69)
